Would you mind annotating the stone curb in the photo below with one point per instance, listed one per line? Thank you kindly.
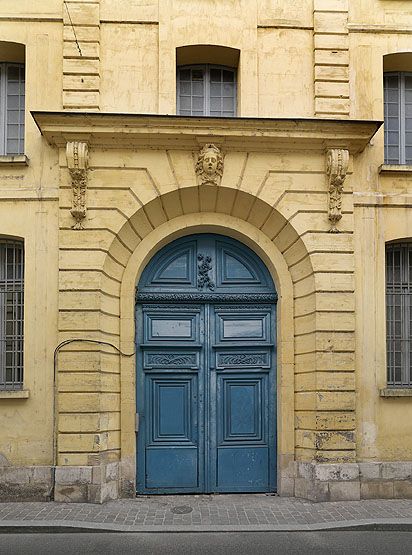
(81, 526)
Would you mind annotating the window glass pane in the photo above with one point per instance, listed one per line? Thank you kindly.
(200, 91)
(12, 147)
(11, 315)
(215, 104)
(215, 90)
(13, 73)
(197, 103)
(185, 88)
(185, 102)
(197, 88)
(228, 104)
(184, 75)
(215, 75)
(197, 75)
(228, 90)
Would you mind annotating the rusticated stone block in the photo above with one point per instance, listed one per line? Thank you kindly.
(71, 493)
(336, 472)
(377, 490)
(25, 492)
(70, 475)
(396, 470)
(370, 470)
(286, 487)
(402, 489)
(314, 491)
(112, 471)
(305, 470)
(344, 491)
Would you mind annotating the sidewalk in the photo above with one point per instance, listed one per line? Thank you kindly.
(208, 513)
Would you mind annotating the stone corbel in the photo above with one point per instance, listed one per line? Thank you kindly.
(77, 155)
(337, 161)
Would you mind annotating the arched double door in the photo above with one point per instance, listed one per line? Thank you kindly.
(206, 395)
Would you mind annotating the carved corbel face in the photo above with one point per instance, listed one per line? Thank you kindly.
(210, 162)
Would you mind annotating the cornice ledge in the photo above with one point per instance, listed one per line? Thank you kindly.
(104, 130)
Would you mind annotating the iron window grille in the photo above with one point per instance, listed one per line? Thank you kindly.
(398, 117)
(12, 99)
(11, 314)
(399, 314)
(206, 90)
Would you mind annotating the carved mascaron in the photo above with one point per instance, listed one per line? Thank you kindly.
(209, 165)
(77, 162)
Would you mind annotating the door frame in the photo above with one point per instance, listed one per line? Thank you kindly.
(255, 239)
(209, 378)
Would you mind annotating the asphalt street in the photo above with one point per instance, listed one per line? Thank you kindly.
(238, 543)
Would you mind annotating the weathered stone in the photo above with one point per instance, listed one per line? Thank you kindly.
(73, 475)
(71, 494)
(25, 492)
(402, 489)
(286, 487)
(305, 470)
(396, 470)
(314, 491)
(377, 490)
(336, 472)
(369, 470)
(112, 471)
(344, 491)
(15, 474)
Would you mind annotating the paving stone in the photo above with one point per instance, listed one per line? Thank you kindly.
(212, 511)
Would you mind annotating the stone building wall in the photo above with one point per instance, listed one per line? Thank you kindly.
(302, 59)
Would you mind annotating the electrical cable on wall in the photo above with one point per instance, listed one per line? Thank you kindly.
(56, 352)
(74, 32)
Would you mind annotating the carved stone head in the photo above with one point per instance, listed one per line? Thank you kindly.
(209, 165)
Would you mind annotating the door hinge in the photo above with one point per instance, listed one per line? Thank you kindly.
(136, 423)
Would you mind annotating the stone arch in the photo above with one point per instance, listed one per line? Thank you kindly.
(262, 228)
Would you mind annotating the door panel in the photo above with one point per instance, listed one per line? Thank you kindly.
(206, 370)
(172, 442)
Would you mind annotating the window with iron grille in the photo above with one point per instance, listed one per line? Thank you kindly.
(206, 90)
(11, 314)
(399, 314)
(11, 108)
(398, 117)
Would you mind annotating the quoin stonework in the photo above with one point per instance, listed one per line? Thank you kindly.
(205, 248)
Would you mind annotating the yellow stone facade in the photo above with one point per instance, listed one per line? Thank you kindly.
(101, 101)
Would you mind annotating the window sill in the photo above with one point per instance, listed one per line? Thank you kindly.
(14, 394)
(396, 392)
(395, 168)
(20, 160)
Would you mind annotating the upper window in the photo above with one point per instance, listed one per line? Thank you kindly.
(11, 314)
(398, 117)
(206, 90)
(11, 108)
(399, 313)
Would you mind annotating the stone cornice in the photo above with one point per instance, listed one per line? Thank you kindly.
(103, 130)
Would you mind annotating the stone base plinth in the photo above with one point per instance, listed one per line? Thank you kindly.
(353, 481)
(308, 480)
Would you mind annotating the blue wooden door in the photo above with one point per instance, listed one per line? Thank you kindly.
(206, 395)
